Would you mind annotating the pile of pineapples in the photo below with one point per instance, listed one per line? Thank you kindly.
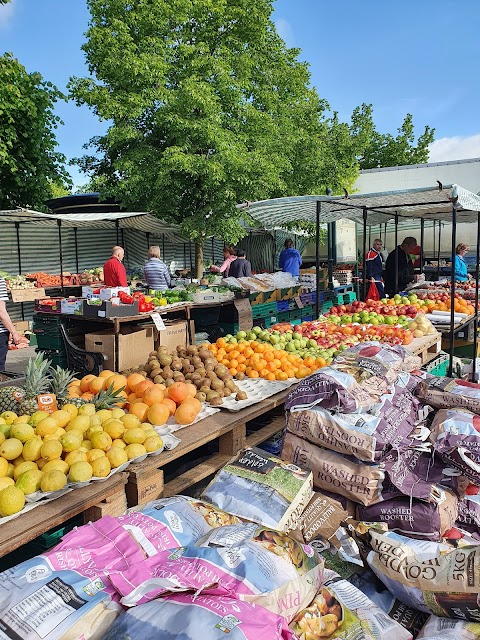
(42, 451)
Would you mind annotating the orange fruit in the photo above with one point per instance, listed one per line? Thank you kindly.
(134, 379)
(141, 387)
(253, 374)
(96, 385)
(85, 382)
(271, 376)
(106, 373)
(196, 403)
(87, 395)
(131, 397)
(186, 413)
(178, 391)
(139, 409)
(158, 414)
(153, 395)
(74, 391)
(170, 404)
(122, 399)
(117, 380)
(192, 389)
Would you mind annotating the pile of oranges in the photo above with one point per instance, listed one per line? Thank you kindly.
(254, 359)
(141, 397)
(460, 305)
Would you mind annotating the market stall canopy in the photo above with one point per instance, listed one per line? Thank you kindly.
(141, 221)
(429, 203)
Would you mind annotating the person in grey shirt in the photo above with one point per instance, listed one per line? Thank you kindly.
(155, 271)
(241, 267)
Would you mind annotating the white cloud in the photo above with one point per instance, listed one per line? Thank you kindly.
(285, 31)
(455, 148)
(6, 13)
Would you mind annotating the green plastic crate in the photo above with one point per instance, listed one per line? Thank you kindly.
(58, 358)
(49, 342)
(264, 310)
(283, 316)
(308, 311)
(232, 328)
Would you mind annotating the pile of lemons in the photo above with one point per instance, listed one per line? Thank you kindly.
(44, 452)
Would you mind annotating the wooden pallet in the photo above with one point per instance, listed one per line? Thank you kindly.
(426, 348)
(146, 481)
(93, 501)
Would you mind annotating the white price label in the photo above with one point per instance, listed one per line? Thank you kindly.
(158, 321)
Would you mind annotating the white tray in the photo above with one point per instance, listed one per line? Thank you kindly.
(257, 389)
(171, 426)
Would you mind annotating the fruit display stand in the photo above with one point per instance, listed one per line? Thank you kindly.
(146, 479)
(92, 501)
(427, 347)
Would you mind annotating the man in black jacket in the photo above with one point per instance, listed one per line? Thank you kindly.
(241, 267)
(396, 281)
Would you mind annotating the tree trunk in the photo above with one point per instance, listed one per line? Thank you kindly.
(199, 258)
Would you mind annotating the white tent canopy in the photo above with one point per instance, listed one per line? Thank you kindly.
(429, 203)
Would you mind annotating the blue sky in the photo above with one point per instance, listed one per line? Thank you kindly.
(417, 56)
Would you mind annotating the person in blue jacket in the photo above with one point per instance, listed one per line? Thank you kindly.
(461, 274)
(290, 260)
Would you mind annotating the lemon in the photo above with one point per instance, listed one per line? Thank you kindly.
(94, 454)
(134, 436)
(117, 456)
(22, 468)
(12, 500)
(101, 440)
(87, 410)
(22, 432)
(114, 428)
(2, 421)
(75, 456)
(86, 445)
(80, 472)
(130, 421)
(11, 449)
(101, 467)
(18, 460)
(52, 436)
(135, 450)
(117, 413)
(71, 440)
(71, 409)
(80, 423)
(153, 443)
(3, 467)
(51, 450)
(32, 449)
(104, 414)
(95, 420)
(37, 417)
(119, 443)
(61, 465)
(61, 417)
(92, 430)
(30, 481)
(46, 427)
(5, 429)
(41, 463)
(146, 426)
(53, 481)
(25, 419)
(10, 470)
(9, 416)
(150, 433)
(6, 482)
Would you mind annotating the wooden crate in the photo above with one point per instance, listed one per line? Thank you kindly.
(93, 501)
(146, 481)
(426, 348)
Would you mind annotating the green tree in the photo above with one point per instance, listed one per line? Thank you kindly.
(29, 163)
(208, 108)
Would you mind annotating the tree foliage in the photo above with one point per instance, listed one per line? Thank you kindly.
(30, 165)
(208, 108)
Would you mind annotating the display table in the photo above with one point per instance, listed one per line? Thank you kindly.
(427, 348)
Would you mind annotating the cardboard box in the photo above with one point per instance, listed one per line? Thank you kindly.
(72, 306)
(134, 346)
(22, 326)
(105, 293)
(271, 296)
(174, 334)
(109, 310)
(205, 296)
(244, 311)
(27, 295)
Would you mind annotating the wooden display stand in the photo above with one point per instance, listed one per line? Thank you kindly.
(427, 348)
(94, 501)
(146, 482)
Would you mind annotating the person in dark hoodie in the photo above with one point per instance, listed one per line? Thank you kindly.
(241, 267)
(290, 260)
(396, 281)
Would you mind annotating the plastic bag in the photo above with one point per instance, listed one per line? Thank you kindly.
(373, 292)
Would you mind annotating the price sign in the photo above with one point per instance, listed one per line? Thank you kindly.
(158, 321)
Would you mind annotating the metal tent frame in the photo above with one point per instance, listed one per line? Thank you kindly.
(449, 203)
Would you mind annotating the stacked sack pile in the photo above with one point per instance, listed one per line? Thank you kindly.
(400, 451)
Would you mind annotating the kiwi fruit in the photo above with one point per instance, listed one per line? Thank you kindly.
(216, 402)
(201, 397)
(167, 372)
(159, 380)
(241, 395)
(178, 376)
(217, 384)
(211, 394)
(169, 382)
(176, 364)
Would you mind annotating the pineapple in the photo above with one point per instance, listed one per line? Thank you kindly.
(61, 378)
(36, 383)
(102, 400)
(9, 398)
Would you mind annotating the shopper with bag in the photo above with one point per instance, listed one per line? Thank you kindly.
(374, 270)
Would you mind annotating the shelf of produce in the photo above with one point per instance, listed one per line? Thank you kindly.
(94, 501)
(426, 348)
(145, 481)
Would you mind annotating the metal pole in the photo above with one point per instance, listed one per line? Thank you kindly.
(191, 262)
(75, 235)
(434, 238)
(59, 224)
(422, 238)
(148, 240)
(213, 249)
(127, 261)
(396, 253)
(163, 246)
(117, 228)
(475, 321)
(184, 256)
(452, 289)
(364, 267)
(17, 229)
(317, 258)
(329, 254)
(439, 245)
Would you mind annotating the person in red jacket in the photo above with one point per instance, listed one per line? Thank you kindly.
(114, 273)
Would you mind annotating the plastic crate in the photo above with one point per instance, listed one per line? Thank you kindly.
(56, 356)
(297, 321)
(228, 327)
(307, 311)
(264, 310)
(439, 366)
(47, 324)
(283, 317)
(283, 305)
(49, 342)
(325, 306)
(308, 298)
